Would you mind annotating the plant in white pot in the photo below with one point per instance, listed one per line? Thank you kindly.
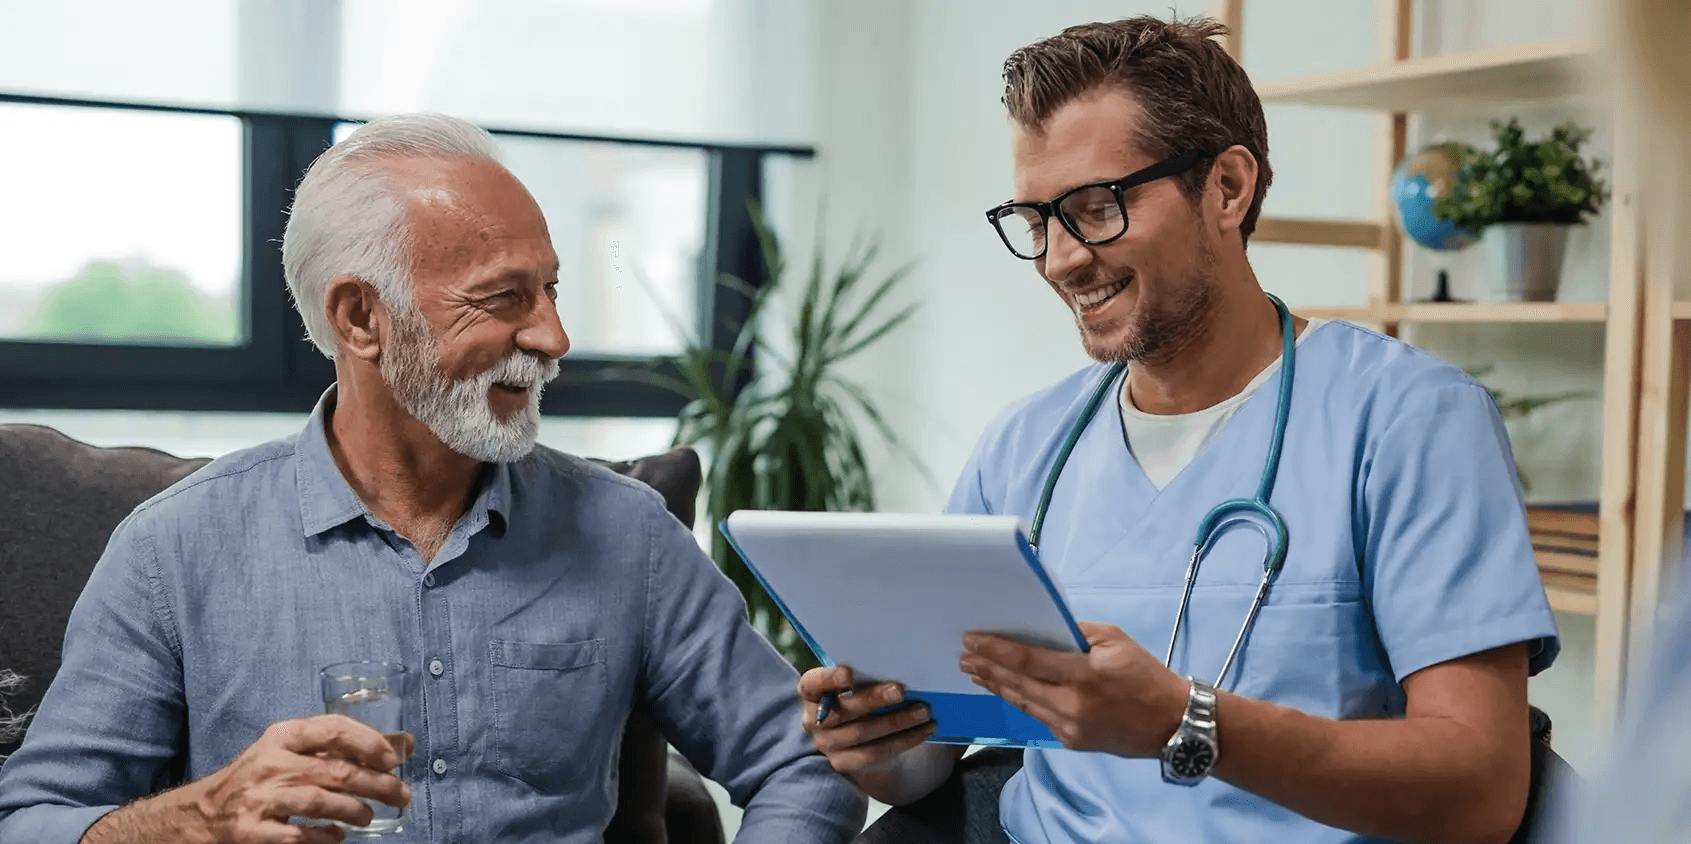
(1525, 196)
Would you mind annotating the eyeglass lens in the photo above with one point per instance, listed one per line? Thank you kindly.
(1093, 212)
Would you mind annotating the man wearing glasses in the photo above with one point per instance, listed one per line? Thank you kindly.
(1381, 691)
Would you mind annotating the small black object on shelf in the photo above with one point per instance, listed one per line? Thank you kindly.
(1441, 291)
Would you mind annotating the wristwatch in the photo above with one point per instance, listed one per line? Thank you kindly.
(1191, 754)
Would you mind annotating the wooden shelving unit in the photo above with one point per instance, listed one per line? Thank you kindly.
(1567, 545)
(1475, 312)
(1459, 81)
(1570, 593)
(1646, 337)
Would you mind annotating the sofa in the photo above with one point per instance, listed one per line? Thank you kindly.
(60, 499)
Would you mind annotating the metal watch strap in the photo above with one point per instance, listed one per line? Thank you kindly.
(1195, 735)
(1200, 705)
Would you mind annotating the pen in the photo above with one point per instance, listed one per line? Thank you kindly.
(829, 701)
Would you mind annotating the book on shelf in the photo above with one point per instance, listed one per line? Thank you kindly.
(1565, 537)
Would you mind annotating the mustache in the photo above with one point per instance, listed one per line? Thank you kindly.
(520, 368)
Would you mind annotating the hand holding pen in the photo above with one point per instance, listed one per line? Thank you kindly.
(843, 724)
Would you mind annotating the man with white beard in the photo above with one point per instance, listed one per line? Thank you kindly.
(534, 596)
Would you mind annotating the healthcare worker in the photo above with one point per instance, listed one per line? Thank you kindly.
(1379, 691)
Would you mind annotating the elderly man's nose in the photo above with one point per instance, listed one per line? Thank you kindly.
(544, 335)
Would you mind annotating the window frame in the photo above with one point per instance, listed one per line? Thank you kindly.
(277, 370)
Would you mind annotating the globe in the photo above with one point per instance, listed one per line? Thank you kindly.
(1417, 181)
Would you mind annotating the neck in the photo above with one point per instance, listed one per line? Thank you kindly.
(1240, 337)
(397, 466)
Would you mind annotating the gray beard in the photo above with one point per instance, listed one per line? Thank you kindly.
(459, 411)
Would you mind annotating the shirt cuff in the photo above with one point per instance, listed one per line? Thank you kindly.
(48, 824)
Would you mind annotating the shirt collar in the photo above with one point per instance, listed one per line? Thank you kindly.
(327, 501)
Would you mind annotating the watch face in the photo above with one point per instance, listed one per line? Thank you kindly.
(1192, 758)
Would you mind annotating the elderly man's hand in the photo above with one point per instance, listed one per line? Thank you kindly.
(1115, 698)
(313, 768)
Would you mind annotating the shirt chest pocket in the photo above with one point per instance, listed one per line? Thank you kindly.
(548, 700)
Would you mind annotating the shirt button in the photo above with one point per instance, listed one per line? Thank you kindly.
(428, 579)
(439, 766)
(435, 667)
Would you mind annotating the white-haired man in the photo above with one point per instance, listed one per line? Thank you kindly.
(413, 520)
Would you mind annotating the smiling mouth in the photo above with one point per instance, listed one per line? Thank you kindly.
(512, 388)
(1092, 299)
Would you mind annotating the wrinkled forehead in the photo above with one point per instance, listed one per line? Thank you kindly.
(1091, 138)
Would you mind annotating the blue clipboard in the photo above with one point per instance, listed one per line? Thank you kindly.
(837, 577)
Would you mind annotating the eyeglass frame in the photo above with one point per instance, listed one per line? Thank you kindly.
(1174, 165)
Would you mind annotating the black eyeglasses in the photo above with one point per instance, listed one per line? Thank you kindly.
(1094, 214)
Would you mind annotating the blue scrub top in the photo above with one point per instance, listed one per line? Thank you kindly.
(1408, 548)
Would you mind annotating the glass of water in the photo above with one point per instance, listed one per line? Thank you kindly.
(373, 693)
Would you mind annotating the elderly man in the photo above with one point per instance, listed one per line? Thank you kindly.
(413, 520)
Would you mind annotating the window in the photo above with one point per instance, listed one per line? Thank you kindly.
(143, 267)
(628, 222)
(95, 252)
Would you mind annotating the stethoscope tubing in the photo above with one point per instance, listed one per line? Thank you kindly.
(1275, 534)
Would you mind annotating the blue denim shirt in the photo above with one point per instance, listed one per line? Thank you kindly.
(565, 594)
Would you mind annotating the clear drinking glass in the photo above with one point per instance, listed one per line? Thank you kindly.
(373, 693)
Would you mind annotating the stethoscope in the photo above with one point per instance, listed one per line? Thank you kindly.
(1223, 514)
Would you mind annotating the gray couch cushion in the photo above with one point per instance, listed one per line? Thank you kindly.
(60, 499)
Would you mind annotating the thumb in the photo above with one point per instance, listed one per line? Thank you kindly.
(1097, 634)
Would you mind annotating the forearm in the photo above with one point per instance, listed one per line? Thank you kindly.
(803, 801)
(1421, 779)
(910, 776)
(169, 816)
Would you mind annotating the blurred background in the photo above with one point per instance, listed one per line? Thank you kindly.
(149, 150)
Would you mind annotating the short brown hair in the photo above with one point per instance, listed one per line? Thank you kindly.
(1193, 95)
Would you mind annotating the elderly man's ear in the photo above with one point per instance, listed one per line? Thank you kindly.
(357, 315)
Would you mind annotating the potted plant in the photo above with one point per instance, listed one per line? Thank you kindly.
(1525, 196)
(789, 438)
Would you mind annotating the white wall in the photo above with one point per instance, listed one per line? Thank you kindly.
(913, 142)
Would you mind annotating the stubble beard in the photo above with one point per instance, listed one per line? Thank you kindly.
(1159, 333)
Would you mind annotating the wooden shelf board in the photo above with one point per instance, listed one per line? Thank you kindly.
(1570, 593)
(1542, 70)
(1476, 312)
(1360, 234)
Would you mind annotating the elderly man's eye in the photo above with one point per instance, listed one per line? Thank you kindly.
(552, 291)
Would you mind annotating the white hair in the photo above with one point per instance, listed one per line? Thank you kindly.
(349, 217)
(11, 726)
